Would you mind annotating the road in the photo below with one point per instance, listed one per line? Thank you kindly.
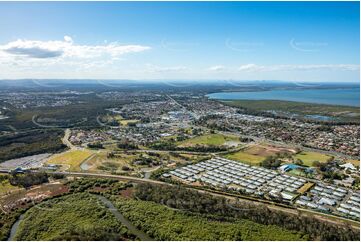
(66, 141)
(173, 151)
(177, 103)
(148, 171)
(182, 107)
(84, 166)
(119, 177)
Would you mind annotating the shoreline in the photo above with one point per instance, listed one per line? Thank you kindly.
(227, 96)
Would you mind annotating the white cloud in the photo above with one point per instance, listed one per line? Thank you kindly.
(249, 67)
(154, 68)
(64, 48)
(274, 68)
(68, 39)
(34, 49)
(216, 68)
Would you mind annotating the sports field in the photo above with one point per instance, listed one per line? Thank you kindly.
(245, 158)
(309, 157)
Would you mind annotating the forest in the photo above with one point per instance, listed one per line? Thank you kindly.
(6, 221)
(30, 143)
(79, 216)
(28, 180)
(177, 197)
(262, 107)
(97, 186)
(163, 223)
(166, 145)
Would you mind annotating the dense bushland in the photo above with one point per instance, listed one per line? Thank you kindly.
(30, 143)
(164, 223)
(180, 198)
(78, 216)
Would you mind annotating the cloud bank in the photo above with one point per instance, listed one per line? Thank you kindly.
(66, 48)
(216, 68)
(273, 68)
(67, 59)
(157, 69)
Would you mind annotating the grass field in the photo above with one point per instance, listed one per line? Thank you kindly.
(210, 139)
(70, 159)
(6, 187)
(255, 154)
(297, 172)
(245, 158)
(309, 157)
(125, 122)
(265, 150)
(121, 159)
(100, 162)
(354, 162)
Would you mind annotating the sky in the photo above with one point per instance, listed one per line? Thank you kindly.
(290, 41)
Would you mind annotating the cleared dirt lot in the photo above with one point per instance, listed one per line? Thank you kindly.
(255, 154)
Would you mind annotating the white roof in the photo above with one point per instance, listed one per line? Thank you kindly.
(286, 196)
(342, 210)
(348, 166)
(327, 201)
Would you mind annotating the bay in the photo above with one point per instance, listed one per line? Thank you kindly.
(341, 96)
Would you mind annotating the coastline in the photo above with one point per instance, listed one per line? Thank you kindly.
(270, 95)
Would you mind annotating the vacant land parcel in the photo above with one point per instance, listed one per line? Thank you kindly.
(255, 154)
(211, 139)
(70, 160)
(309, 157)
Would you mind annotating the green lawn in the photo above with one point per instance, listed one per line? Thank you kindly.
(309, 157)
(245, 158)
(71, 159)
(297, 172)
(209, 139)
(5, 187)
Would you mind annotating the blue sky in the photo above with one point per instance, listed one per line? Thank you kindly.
(294, 41)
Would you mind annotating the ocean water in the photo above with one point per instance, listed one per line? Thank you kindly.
(342, 96)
